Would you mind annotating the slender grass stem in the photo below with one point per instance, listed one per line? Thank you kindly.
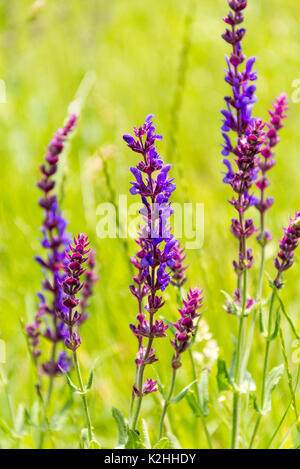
(166, 404)
(83, 396)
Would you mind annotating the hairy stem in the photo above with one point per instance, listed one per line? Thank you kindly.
(83, 396)
(166, 404)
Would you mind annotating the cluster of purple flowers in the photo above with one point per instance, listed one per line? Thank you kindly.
(55, 241)
(156, 254)
(178, 269)
(238, 112)
(287, 246)
(241, 181)
(267, 162)
(185, 326)
(71, 285)
(90, 278)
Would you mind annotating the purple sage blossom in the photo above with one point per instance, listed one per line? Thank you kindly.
(287, 245)
(71, 286)
(156, 255)
(178, 269)
(54, 241)
(90, 278)
(185, 326)
(267, 161)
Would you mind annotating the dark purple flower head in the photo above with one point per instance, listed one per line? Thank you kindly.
(71, 286)
(90, 278)
(185, 326)
(148, 387)
(178, 269)
(54, 241)
(287, 245)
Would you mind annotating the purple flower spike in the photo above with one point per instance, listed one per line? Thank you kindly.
(158, 251)
(90, 278)
(71, 286)
(54, 241)
(185, 326)
(267, 161)
(287, 245)
(178, 269)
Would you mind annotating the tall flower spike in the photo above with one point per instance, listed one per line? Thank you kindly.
(185, 326)
(287, 245)
(71, 286)
(267, 161)
(156, 255)
(54, 241)
(90, 278)
(178, 269)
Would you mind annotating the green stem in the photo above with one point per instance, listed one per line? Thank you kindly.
(266, 364)
(236, 409)
(140, 385)
(132, 398)
(261, 273)
(83, 396)
(166, 404)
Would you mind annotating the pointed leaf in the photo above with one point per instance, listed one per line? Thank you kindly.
(69, 381)
(204, 393)
(145, 435)
(94, 445)
(190, 397)
(223, 379)
(272, 380)
(122, 426)
(163, 443)
(174, 443)
(90, 379)
(182, 393)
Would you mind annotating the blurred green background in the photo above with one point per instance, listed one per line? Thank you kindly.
(129, 52)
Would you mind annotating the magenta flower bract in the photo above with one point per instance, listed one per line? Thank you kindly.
(287, 245)
(71, 286)
(267, 161)
(185, 326)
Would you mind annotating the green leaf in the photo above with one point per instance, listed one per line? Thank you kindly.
(231, 304)
(192, 402)
(182, 393)
(223, 379)
(94, 445)
(133, 441)
(272, 380)
(253, 399)
(169, 323)
(163, 443)
(7, 430)
(145, 435)
(204, 393)
(174, 443)
(69, 381)
(90, 379)
(276, 326)
(85, 437)
(122, 426)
